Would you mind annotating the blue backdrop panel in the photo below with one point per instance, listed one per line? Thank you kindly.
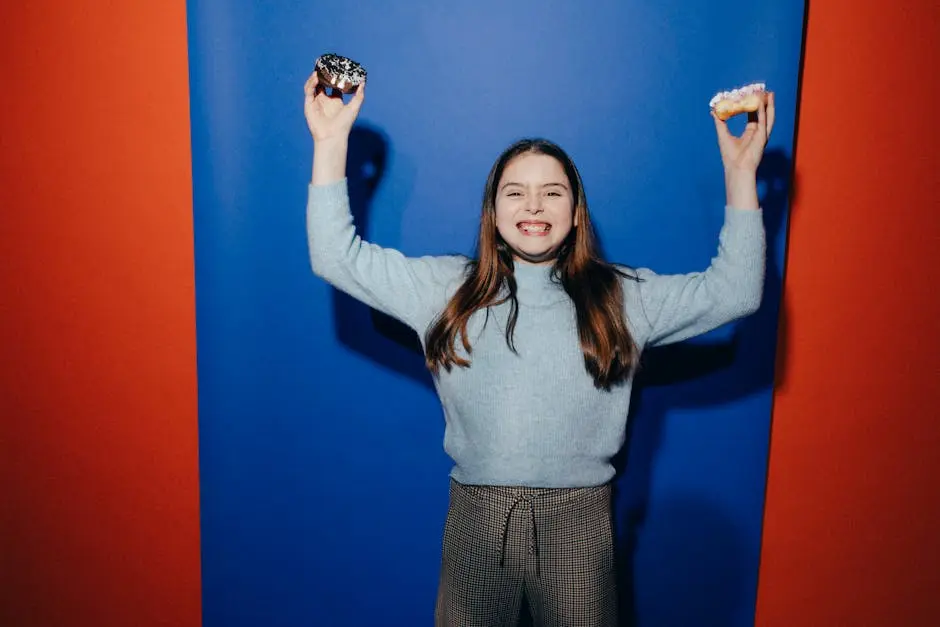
(323, 480)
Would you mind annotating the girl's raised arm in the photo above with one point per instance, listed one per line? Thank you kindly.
(409, 289)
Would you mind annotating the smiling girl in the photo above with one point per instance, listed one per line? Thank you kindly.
(533, 344)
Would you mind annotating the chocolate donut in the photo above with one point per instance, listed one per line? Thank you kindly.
(340, 73)
(747, 99)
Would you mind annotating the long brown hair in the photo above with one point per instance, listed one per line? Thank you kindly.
(610, 353)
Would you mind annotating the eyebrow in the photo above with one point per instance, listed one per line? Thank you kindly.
(511, 183)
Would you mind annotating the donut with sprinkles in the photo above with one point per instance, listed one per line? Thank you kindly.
(341, 73)
(746, 99)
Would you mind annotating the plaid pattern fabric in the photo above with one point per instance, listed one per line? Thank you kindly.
(555, 546)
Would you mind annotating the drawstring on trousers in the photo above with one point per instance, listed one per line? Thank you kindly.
(534, 545)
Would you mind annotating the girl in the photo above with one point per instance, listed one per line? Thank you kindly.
(532, 345)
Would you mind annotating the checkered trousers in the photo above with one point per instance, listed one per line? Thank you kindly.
(555, 546)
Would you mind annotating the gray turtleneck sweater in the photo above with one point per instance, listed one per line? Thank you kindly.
(533, 418)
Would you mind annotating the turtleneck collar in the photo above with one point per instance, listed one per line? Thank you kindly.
(535, 284)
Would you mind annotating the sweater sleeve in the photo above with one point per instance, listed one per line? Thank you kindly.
(411, 289)
(681, 306)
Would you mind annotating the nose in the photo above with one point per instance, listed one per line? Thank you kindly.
(534, 203)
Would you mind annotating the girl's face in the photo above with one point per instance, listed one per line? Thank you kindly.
(534, 207)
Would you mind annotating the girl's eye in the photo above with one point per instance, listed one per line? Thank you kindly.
(514, 194)
(554, 194)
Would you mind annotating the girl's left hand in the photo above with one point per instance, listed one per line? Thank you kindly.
(744, 153)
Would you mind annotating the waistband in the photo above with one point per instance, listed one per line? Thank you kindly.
(539, 502)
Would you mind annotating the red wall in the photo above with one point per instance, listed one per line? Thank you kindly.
(98, 376)
(853, 504)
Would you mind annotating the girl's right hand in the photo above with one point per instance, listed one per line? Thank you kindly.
(328, 117)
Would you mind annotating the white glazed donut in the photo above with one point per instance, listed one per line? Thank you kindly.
(340, 73)
(747, 99)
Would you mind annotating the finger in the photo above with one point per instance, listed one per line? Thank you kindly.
(752, 126)
(756, 122)
(770, 113)
(358, 97)
(721, 127)
(762, 121)
(355, 104)
(314, 81)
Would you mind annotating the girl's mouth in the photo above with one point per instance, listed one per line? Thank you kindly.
(537, 229)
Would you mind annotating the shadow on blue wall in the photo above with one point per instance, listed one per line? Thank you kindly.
(383, 339)
(698, 542)
(692, 536)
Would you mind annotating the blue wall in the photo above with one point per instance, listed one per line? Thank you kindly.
(323, 480)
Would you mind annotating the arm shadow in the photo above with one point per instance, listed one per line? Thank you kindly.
(689, 374)
(384, 340)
